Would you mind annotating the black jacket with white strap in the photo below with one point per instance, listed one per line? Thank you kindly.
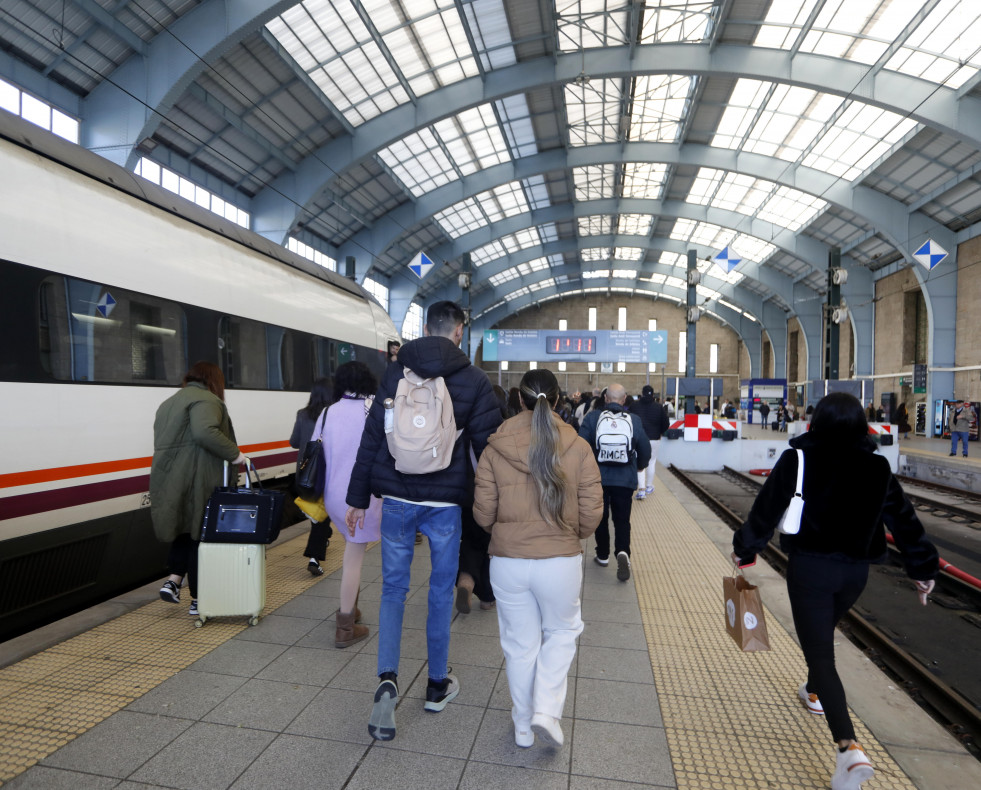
(475, 409)
(849, 494)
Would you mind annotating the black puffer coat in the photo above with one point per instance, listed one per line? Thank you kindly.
(475, 409)
(652, 415)
(849, 493)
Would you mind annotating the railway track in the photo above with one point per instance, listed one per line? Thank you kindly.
(959, 715)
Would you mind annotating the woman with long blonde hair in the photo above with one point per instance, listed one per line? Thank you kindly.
(538, 493)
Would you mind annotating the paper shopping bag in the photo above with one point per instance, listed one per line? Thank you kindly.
(744, 614)
(315, 510)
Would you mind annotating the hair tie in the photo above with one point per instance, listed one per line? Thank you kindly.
(540, 395)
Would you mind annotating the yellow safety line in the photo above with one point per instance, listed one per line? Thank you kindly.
(51, 698)
(732, 719)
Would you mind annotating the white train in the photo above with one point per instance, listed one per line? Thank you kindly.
(110, 288)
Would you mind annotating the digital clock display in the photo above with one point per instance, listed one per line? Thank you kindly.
(570, 344)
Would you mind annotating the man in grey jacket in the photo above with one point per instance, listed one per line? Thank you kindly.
(619, 478)
(962, 417)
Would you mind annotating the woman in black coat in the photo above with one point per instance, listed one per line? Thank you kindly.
(849, 493)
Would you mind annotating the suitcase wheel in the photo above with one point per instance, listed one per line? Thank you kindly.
(254, 620)
(198, 623)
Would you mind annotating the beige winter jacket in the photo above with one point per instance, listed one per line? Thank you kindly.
(506, 498)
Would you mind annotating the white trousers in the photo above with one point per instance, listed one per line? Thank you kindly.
(645, 478)
(539, 615)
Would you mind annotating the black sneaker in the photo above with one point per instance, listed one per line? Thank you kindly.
(381, 725)
(438, 693)
(314, 567)
(623, 566)
(193, 611)
(170, 592)
(603, 561)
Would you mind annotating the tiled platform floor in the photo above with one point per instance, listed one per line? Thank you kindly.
(659, 697)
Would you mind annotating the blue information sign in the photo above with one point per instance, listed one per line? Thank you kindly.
(541, 345)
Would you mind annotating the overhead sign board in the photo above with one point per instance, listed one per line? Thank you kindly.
(930, 254)
(919, 378)
(421, 265)
(542, 345)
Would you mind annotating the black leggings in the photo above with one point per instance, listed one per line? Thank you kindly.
(821, 591)
(183, 561)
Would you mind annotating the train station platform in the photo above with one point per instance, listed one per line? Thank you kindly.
(659, 696)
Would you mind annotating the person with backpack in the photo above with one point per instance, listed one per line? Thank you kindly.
(655, 420)
(432, 408)
(622, 449)
(538, 494)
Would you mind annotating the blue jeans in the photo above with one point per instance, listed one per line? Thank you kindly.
(442, 526)
(954, 436)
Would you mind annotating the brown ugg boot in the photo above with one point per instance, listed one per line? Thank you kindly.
(348, 632)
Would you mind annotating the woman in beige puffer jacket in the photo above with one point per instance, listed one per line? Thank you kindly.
(538, 492)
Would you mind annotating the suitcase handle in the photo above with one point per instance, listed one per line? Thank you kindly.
(248, 483)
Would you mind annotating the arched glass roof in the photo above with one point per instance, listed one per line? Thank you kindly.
(565, 145)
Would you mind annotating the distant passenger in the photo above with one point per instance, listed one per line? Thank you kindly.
(307, 419)
(829, 557)
(538, 493)
(354, 389)
(192, 437)
(393, 350)
(902, 421)
(429, 502)
(962, 418)
(619, 462)
(655, 421)
(765, 415)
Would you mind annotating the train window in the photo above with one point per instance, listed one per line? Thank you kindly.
(242, 344)
(279, 358)
(93, 332)
(324, 354)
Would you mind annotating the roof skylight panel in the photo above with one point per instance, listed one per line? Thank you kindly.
(474, 139)
(418, 161)
(583, 24)
(595, 254)
(944, 47)
(503, 277)
(856, 140)
(657, 279)
(597, 224)
(503, 201)
(644, 180)
(634, 224)
(536, 192)
(665, 22)
(783, 23)
(716, 238)
(487, 253)
(432, 50)
(789, 208)
(491, 32)
(628, 253)
(547, 232)
(595, 274)
(658, 107)
(461, 218)
(516, 123)
(593, 111)
(594, 182)
(629, 274)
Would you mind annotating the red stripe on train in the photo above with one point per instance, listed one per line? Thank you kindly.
(71, 496)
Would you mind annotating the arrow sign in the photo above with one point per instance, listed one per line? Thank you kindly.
(490, 345)
(930, 254)
(727, 260)
(657, 349)
(421, 265)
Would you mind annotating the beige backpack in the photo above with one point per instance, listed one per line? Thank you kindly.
(423, 428)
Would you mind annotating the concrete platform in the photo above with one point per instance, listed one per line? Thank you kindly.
(659, 696)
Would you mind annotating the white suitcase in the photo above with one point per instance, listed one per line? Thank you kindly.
(231, 580)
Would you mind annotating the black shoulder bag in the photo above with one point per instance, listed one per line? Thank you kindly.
(312, 468)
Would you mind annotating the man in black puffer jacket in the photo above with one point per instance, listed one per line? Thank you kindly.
(430, 503)
(655, 419)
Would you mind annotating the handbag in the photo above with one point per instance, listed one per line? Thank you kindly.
(789, 523)
(312, 467)
(745, 621)
(243, 515)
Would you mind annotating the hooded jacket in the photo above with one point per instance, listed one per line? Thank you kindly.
(622, 475)
(849, 493)
(475, 409)
(192, 435)
(506, 499)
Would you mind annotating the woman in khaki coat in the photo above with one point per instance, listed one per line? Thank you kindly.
(192, 436)
(538, 492)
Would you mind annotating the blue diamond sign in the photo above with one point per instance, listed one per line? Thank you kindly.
(421, 265)
(105, 304)
(930, 254)
(727, 260)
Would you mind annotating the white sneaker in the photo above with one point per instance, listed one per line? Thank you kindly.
(548, 729)
(623, 566)
(852, 768)
(810, 701)
(641, 495)
(523, 736)
(649, 490)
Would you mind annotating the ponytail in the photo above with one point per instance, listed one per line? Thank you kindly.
(540, 393)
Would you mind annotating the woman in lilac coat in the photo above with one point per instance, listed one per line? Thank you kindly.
(354, 387)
